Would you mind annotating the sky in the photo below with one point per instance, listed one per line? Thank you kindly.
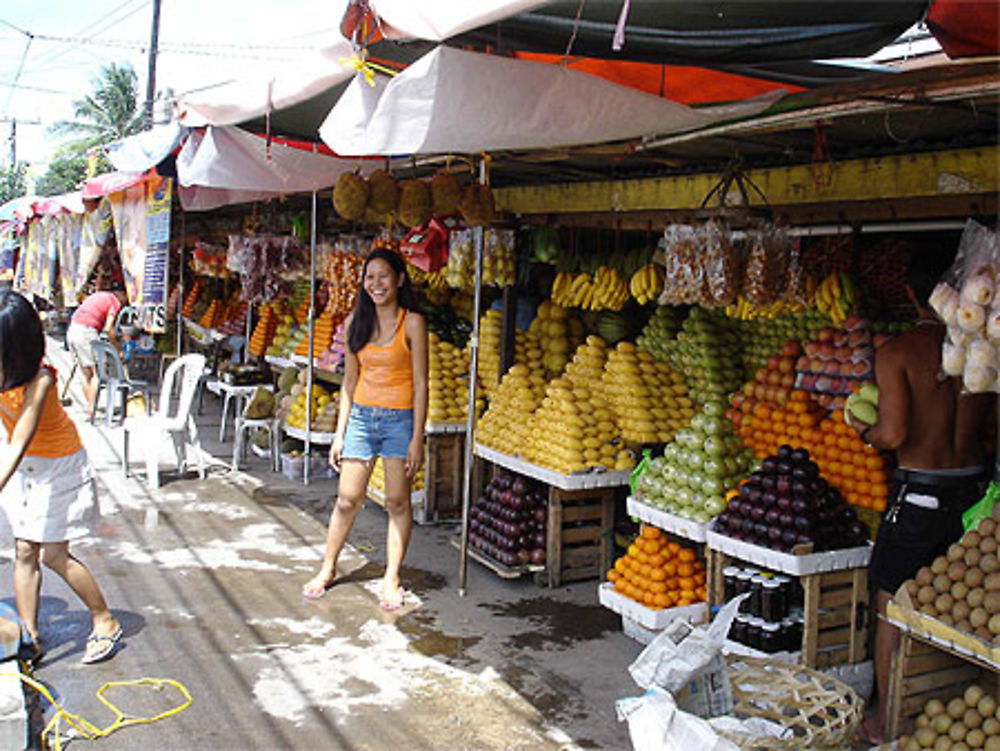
(202, 42)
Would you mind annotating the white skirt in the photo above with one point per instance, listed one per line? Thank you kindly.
(51, 500)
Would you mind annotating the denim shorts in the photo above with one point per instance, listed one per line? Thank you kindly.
(377, 431)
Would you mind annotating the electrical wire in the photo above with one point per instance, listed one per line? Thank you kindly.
(89, 30)
(17, 76)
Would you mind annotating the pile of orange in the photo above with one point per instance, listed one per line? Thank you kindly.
(770, 426)
(856, 470)
(659, 573)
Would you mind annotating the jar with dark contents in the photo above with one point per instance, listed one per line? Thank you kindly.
(742, 587)
(729, 582)
(738, 629)
(773, 601)
(770, 638)
(757, 595)
(754, 632)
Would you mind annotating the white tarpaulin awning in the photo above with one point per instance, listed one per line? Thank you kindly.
(227, 165)
(144, 150)
(242, 100)
(452, 101)
(438, 20)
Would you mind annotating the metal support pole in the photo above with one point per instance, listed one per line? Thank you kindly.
(470, 427)
(309, 323)
(154, 43)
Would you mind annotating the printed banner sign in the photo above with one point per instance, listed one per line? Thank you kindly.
(142, 227)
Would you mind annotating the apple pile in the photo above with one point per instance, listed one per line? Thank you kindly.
(833, 364)
(786, 503)
(662, 326)
(507, 522)
(705, 459)
(771, 384)
(707, 352)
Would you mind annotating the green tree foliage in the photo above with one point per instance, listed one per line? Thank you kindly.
(12, 183)
(109, 112)
(66, 172)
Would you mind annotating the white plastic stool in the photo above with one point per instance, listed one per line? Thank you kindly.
(245, 426)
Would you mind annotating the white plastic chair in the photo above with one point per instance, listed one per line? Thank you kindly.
(183, 374)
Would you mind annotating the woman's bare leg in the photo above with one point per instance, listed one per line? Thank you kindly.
(351, 488)
(400, 510)
(27, 583)
(56, 556)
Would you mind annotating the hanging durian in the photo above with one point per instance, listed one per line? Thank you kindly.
(446, 192)
(477, 205)
(414, 206)
(350, 196)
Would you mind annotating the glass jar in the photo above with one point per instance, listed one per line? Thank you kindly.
(757, 595)
(730, 584)
(743, 577)
(773, 602)
(770, 638)
(754, 632)
(738, 629)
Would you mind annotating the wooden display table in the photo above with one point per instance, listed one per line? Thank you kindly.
(581, 515)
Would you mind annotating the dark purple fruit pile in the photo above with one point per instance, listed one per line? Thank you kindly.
(786, 503)
(507, 522)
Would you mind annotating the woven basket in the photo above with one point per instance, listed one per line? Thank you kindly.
(823, 712)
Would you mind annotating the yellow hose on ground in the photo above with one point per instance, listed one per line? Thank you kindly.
(88, 730)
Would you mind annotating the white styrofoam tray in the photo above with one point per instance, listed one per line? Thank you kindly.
(655, 619)
(583, 481)
(668, 522)
(786, 563)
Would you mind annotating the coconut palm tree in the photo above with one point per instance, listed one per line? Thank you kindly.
(112, 110)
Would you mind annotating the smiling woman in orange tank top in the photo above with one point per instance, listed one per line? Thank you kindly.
(383, 407)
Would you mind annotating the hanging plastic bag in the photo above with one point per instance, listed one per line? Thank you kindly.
(981, 509)
(637, 472)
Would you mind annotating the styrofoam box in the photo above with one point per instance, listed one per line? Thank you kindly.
(786, 563)
(637, 631)
(678, 525)
(584, 481)
(656, 619)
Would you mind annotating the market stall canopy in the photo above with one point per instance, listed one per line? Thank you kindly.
(67, 203)
(224, 165)
(18, 209)
(465, 102)
(147, 149)
(112, 182)
(437, 20)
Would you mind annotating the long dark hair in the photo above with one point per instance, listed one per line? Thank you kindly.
(363, 319)
(22, 341)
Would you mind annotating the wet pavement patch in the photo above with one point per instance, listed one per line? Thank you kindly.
(425, 638)
(555, 622)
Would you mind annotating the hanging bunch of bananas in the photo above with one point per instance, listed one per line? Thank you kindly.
(647, 283)
(745, 311)
(605, 290)
(435, 280)
(837, 297)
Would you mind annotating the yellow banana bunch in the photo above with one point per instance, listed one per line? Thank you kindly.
(606, 290)
(837, 297)
(745, 311)
(647, 283)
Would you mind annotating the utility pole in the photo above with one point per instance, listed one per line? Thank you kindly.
(154, 41)
(13, 135)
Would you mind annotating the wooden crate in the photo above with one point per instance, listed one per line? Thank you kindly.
(836, 612)
(920, 672)
(444, 470)
(579, 534)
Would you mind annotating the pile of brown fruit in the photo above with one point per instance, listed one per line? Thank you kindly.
(962, 587)
(968, 721)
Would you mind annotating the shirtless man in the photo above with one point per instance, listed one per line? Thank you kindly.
(936, 432)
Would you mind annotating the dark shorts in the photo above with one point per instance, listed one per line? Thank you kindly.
(912, 536)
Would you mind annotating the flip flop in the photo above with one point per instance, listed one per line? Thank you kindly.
(107, 646)
(388, 607)
(315, 593)
(29, 651)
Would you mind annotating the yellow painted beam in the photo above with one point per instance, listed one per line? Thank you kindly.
(942, 173)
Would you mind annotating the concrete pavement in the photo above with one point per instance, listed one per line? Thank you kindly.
(204, 576)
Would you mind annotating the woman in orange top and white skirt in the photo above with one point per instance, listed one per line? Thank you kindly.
(47, 492)
(383, 407)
